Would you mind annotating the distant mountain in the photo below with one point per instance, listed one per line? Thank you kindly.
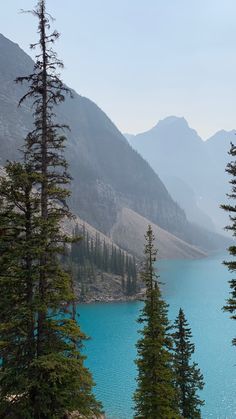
(195, 172)
(107, 173)
(217, 148)
(182, 193)
(173, 139)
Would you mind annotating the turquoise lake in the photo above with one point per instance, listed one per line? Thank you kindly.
(200, 287)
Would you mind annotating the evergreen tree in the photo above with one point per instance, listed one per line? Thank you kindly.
(48, 377)
(90, 255)
(231, 209)
(129, 289)
(105, 253)
(188, 377)
(155, 395)
(18, 277)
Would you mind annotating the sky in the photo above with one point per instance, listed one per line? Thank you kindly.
(141, 61)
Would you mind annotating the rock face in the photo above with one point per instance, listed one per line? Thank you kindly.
(104, 287)
(129, 231)
(107, 173)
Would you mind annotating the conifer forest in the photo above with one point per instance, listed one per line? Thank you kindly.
(117, 241)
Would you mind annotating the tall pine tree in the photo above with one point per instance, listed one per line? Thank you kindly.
(18, 277)
(155, 395)
(231, 209)
(188, 377)
(48, 377)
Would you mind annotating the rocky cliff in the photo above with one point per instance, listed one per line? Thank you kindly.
(108, 174)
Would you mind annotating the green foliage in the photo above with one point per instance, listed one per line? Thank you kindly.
(42, 374)
(231, 209)
(90, 255)
(188, 377)
(155, 395)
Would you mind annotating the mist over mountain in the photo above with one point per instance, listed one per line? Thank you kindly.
(193, 170)
(108, 174)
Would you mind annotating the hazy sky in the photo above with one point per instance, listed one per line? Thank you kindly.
(143, 60)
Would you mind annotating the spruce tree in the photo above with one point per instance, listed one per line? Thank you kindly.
(231, 209)
(188, 377)
(48, 377)
(18, 277)
(155, 394)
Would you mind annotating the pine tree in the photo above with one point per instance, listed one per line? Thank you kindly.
(52, 378)
(128, 285)
(90, 255)
(231, 209)
(188, 377)
(155, 395)
(18, 276)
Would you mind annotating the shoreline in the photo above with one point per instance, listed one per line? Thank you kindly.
(107, 300)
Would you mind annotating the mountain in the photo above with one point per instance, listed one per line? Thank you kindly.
(130, 227)
(195, 173)
(173, 138)
(108, 174)
(217, 148)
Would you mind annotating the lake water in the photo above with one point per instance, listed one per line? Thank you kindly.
(200, 287)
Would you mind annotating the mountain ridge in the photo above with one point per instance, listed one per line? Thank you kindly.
(99, 156)
(107, 173)
(197, 163)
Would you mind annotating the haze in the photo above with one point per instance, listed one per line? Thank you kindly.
(142, 61)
